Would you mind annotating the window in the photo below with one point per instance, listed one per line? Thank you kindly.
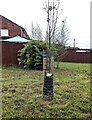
(4, 32)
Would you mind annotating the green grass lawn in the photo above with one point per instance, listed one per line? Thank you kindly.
(22, 93)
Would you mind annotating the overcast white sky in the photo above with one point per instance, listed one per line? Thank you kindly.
(23, 12)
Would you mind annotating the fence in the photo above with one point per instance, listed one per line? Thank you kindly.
(9, 52)
(79, 56)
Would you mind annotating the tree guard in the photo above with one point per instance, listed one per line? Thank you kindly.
(48, 75)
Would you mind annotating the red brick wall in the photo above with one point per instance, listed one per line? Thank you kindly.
(14, 30)
(80, 57)
(10, 52)
(0, 22)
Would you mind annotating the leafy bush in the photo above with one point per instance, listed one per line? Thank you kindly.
(31, 56)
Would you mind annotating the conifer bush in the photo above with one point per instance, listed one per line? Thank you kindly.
(31, 56)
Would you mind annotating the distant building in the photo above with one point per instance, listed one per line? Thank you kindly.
(78, 55)
(9, 29)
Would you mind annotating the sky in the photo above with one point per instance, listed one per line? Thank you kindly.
(23, 12)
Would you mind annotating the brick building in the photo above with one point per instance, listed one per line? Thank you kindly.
(78, 55)
(10, 44)
(9, 29)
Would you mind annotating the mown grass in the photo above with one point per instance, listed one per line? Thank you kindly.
(22, 93)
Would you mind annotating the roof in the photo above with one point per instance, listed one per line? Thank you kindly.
(17, 39)
(12, 21)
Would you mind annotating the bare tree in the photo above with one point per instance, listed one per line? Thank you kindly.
(62, 39)
(52, 9)
(62, 34)
(35, 32)
(54, 35)
(57, 35)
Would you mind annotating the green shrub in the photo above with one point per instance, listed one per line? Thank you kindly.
(31, 56)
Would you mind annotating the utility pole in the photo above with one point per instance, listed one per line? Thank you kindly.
(74, 43)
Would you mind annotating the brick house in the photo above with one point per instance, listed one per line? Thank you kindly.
(9, 29)
(9, 49)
